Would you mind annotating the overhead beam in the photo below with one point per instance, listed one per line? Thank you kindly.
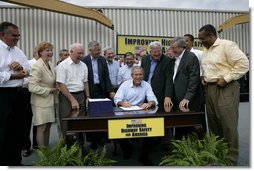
(240, 19)
(65, 8)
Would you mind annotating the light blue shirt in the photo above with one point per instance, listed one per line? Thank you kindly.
(95, 70)
(152, 68)
(113, 68)
(124, 74)
(136, 95)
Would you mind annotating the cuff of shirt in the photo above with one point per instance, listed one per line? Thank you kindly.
(7, 76)
(228, 78)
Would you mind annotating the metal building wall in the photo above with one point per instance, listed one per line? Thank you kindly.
(62, 30)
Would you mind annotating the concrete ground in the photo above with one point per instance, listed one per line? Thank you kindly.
(156, 152)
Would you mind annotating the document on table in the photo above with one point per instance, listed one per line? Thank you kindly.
(99, 100)
(131, 108)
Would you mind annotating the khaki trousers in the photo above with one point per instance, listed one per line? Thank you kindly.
(222, 104)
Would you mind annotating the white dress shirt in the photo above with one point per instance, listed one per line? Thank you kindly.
(124, 74)
(26, 79)
(177, 62)
(199, 55)
(136, 95)
(72, 75)
(7, 56)
(32, 62)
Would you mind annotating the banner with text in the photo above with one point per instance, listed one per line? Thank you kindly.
(135, 128)
(130, 43)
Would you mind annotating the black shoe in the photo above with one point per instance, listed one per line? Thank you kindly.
(145, 160)
(26, 152)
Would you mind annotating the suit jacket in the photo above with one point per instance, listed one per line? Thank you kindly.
(187, 84)
(40, 83)
(162, 79)
(102, 72)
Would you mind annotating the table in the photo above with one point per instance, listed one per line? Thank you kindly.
(78, 122)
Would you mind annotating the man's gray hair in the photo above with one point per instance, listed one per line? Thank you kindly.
(93, 44)
(180, 41)
(155, 44)
(106, 49)
(75, 45)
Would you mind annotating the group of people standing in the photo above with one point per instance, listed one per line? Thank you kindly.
(171, 83)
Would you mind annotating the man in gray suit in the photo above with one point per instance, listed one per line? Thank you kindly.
(187, 84)
(186, 77)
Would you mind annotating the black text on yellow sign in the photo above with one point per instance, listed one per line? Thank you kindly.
(135, 128)
(132, 43)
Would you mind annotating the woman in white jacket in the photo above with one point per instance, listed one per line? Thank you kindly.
(42, 86)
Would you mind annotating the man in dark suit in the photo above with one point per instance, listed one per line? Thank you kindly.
(187, 84)
(98, 76)
(99, 82)
(186, 78)
(158, 73)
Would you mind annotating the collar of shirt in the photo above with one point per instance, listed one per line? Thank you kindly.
(130, 66)
(151, 58)
(109, 62)
(181, 55)
(216, 43)
(132, 85)
(70, 61)
(6, 46)
(93, 58)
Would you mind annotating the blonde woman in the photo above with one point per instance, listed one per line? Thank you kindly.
(42, 86)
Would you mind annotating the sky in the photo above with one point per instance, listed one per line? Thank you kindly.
(232, 5)
(224, 5)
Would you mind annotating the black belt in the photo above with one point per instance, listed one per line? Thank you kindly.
(78, 92)
(211, 83)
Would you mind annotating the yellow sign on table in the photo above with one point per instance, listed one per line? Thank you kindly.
(135, 128)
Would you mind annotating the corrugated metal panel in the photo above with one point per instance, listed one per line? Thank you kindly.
(62, 30)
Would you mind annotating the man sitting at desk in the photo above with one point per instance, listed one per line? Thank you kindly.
(135, 92)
